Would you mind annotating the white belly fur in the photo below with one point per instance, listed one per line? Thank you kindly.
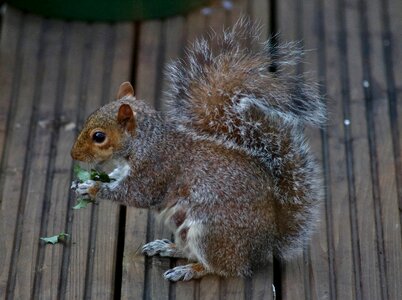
(118, 174)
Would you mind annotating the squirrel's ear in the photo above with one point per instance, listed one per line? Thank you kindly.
(126, 117)
(125, 89)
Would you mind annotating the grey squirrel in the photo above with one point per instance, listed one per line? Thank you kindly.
(227, 166)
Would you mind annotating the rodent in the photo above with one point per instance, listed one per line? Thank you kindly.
(227, 165)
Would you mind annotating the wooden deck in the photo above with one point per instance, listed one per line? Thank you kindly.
(54, 73)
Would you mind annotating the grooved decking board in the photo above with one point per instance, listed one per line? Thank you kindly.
(10, 60)
(387, 218)
(50, 262)
(356, 83)
(17, 153)
(54, 73)
(392, 44)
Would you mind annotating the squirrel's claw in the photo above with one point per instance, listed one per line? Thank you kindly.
(82, 189)
(161, 247)
(74, 185)
(179, 273)
(186, 272)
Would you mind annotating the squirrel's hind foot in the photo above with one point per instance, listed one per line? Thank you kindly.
(163, 248)
(186, 272)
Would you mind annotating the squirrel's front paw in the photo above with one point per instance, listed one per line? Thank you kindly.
(87, 188)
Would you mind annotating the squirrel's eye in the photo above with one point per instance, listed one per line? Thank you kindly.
(99, 137)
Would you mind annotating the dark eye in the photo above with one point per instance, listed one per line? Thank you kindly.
(99, 137)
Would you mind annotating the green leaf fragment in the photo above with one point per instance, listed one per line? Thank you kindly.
(81, 174)
(82, 203)
(100, 176)
(56, 238)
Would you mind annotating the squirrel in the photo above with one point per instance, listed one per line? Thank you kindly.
(227, 166)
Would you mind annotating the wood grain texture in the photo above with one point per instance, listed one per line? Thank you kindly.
(38, 160)
(85, 273)
(317, 256)
(392, 44)
(387, 218)
(50, 263)
(10, 43)
(17, 154)
(10, 58)
(338, 161)
(356, 112)
(54, 73)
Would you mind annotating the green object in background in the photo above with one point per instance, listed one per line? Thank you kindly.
(107, 10)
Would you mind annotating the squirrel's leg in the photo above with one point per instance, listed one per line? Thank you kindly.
(163, 248)
(186, 272)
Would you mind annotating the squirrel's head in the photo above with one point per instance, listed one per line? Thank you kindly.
(104, 130)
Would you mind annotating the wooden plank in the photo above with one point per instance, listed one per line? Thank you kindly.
(10, 72)
(368, 237)
(133, 281)
(316, 256)
(99, 279)
(83, 228)
(338, 182)
(16, 152)
(387, 217)
(9, 43)
(147, 68)
(195, 26)
(260, 12)
(10, 57)
(41, 132)
(392, 43)
(173, 42)
(50, 266)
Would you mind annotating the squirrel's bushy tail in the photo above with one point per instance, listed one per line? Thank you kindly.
(220, 89)
(224, 91)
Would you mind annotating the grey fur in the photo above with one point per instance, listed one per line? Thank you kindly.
(228, 164)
